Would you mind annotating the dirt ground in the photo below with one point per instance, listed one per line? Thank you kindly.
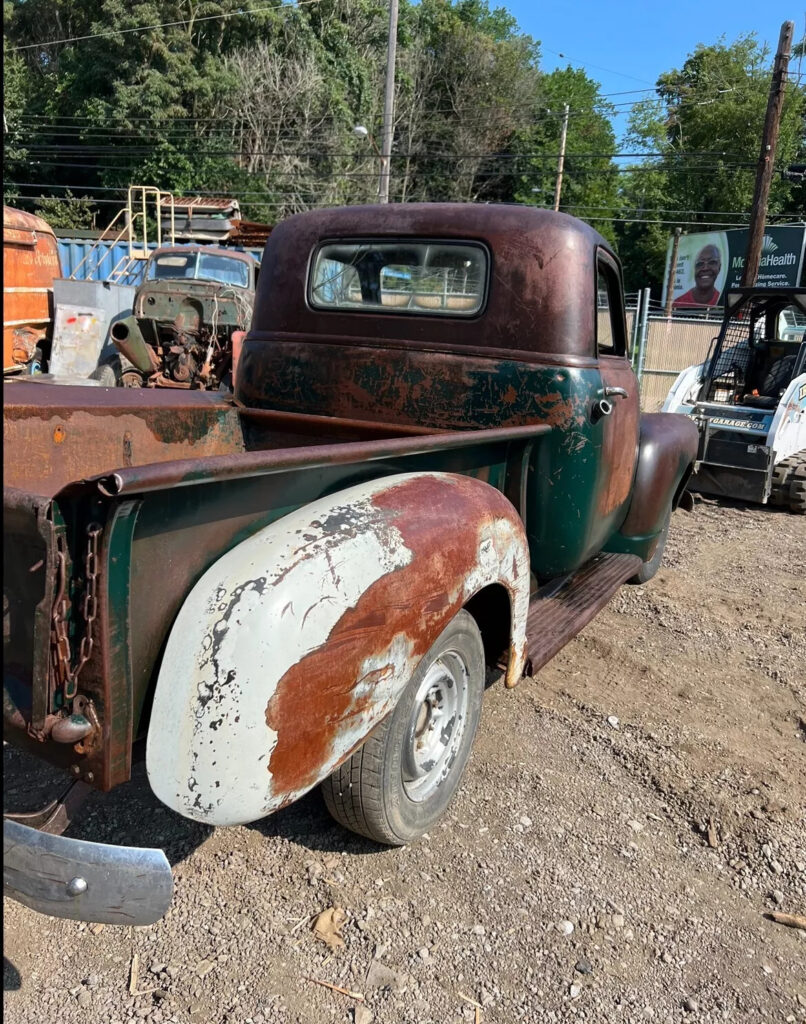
(648, 788)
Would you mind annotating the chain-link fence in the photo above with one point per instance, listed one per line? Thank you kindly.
(663, 346)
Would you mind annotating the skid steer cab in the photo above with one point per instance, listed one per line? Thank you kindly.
(748, 400)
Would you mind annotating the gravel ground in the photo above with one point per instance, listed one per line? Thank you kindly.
(628, 819)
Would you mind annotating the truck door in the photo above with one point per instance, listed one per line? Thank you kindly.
(618, 412)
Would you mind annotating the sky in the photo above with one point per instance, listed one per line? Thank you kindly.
(626, 44)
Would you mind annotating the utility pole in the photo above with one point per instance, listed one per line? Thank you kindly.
(388, 106)
(766, 160)
(561, 161)
(672, 269)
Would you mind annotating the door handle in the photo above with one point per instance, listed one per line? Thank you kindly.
(616, 393)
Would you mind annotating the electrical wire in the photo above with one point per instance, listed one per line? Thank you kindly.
(166, 24)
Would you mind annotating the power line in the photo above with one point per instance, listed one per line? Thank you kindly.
(247, 194)
(325, 204)
(166, 24)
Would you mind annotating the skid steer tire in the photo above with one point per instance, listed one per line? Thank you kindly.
(797, 489)
(789, 484)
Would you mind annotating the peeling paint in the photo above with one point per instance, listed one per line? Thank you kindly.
(377, 579)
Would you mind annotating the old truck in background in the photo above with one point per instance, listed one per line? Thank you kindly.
(433, 464)
(192, 301)
(30, 264)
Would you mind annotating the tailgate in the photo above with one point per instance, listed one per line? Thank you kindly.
(28, 583)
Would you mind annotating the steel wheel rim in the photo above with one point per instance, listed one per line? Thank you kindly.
(436, 726)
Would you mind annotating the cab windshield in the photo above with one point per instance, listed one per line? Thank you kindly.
(199, 266)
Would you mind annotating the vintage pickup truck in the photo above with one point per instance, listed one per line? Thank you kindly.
(433, 463)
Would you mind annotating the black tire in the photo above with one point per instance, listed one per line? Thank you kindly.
(105, 374)
(378, 792)
(781, 475)
(797, 488)
(789, 484)
(649, 568)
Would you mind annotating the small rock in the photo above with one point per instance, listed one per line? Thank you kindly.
(84, 998)
(97, 928)
(423, 953)
(172, 972)
(362, 1015)
(157, 968)
(525, 820)
(203, 967)
(93, 980)
(778, 896)
(618, 921)
(636, 826)
(583, 966)
(612, 721)
(690, 1005)
(776, 867)
(381, 976)
(479, 929)
(575, 991)
(565, 928)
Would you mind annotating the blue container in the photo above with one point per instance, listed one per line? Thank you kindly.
(109, 256)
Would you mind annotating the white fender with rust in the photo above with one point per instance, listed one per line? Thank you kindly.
(298, 641)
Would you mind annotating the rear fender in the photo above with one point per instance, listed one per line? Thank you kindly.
(666, 454)
(295, 644)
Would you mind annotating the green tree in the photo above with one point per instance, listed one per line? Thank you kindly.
(67, 212)
(704, 130)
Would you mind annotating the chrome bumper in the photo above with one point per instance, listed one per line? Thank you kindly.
(85, 881)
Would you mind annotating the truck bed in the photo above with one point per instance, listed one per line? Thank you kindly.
(55, 435)
(172, 479)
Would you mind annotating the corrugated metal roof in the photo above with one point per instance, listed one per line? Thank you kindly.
(197, 204)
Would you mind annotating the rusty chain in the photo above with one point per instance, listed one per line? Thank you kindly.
(66, 677)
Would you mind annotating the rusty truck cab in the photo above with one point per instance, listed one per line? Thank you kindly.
(457, 317)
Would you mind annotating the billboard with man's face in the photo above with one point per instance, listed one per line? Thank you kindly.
(711, 262)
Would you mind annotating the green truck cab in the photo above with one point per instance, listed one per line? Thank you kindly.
(432, 463)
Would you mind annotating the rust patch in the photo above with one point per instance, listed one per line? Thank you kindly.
(59, 435)
(313, 699)
(620, 435)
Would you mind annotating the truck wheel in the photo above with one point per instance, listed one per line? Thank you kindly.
(399, 784)
(648, 569)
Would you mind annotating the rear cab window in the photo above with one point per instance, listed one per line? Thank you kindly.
(610, 329)
(422, 277)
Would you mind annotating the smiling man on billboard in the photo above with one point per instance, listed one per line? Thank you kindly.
(707, 265)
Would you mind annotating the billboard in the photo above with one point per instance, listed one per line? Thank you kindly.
(711, 262)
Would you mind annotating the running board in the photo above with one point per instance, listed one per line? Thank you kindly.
(560, 609)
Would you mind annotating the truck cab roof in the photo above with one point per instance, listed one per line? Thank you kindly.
(536, 274)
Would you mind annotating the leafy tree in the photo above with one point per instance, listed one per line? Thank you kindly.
(71, 212)
(705, 125)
